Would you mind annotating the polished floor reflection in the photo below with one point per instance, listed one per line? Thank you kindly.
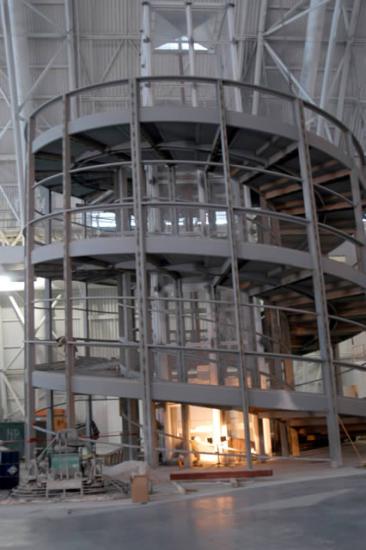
(328, 513)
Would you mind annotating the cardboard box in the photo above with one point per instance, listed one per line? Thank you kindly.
(140, 489)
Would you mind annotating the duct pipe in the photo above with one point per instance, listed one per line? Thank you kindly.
(313, 43)
(234, 53)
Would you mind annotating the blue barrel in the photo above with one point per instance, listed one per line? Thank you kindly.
(9, 469)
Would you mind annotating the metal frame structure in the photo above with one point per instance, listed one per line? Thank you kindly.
(253, 45)
(259, 258)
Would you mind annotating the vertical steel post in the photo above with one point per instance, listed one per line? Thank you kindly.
(341, 96)
(67, 268)
(141, 273)
(71, 46)
(357, 206)
(122, 329)
(178, 288)
(146, 61)
(320, 299)
(172, 197)
(128, 305)
(186, 434)
(16, 70)
(128, 407)
(234, 53)
(234, 270)
(29, 299)
(4, 403)
(49, 337)
(86, 327)
(89, 416)
(259, 54)
(313, 46)
(283, 438)
(332, 41)
(49, 418)
(191, 53)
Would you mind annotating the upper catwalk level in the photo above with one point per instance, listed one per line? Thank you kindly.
(176, 125)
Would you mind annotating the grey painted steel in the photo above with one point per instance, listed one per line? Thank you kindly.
(239, 327)
(357, 206)
(49, 354)
(204, 395)
(235, 71)
(67, 270)
(191, 52)
(29, 299)
(193, 246)
(319, 290)
(141, 273)
(12, 32)
(184, 114)
(140, 250)
(258, 68)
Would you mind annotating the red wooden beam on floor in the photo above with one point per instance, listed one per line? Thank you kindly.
(219, 474)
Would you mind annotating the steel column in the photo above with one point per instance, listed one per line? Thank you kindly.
(234, 53)
(130, 428)
(49, 416)
(313, 46)
(146, 58)
(14, 101)
(29, 300)
(191, 53)
(4, 404)
(357, 206)
(49, 336)
(329, 62)
(67, 268)
(234, 270)
(71, 52)
(141, 273)
(89, 416)
(347, 59)
(86, 326)
(259, 54)
(178, 291)
(320, 298)
(186, 434)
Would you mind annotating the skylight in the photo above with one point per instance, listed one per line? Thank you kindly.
(181, 43)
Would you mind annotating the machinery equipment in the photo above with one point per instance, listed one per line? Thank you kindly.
(67, 464)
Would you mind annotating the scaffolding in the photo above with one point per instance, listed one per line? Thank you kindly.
(224, 244)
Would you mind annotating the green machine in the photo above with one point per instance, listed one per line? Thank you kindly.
(65, 465)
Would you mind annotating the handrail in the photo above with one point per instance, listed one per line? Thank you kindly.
(348, 321)
(167, 162)
(187, 300)
(178, 204)
(340, 233)
(206, 80)
(199, 205)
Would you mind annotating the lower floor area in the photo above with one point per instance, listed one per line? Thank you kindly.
(322, 511)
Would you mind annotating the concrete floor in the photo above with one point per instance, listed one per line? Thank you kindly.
(314, 514)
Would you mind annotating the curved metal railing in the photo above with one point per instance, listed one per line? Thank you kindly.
(333, 137)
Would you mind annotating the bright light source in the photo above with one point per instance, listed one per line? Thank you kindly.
(182, 44)
(4, 282)
(7, 285)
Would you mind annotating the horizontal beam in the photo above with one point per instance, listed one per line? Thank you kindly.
(198, 394)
